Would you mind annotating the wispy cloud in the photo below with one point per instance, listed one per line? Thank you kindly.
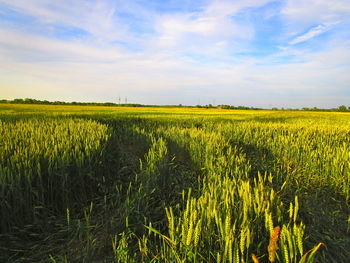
(215, 24)
(94, 17)
(313, 32)
(34, 48)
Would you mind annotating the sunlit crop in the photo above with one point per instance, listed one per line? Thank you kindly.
(109, 184)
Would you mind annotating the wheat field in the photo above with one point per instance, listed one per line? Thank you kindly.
(119, 184)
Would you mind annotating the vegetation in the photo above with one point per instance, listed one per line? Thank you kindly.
(46, 102)
(341, 108)
(102, 184)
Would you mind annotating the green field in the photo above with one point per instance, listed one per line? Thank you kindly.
(118, 184)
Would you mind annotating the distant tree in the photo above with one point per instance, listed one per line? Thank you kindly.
(28, 101)
(18, 101)
(342, 108)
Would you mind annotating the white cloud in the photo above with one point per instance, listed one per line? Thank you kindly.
(154, 74)
(22, 46)
(313, 32)
(95, 17)
(97, 70)
(214, 24)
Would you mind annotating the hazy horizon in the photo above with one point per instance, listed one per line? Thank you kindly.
(258, 53)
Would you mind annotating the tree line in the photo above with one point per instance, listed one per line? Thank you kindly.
(46, 102)
(341, 108)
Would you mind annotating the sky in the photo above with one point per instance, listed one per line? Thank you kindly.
(261, 53)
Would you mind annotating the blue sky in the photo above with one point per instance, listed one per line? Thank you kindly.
(290, 53)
